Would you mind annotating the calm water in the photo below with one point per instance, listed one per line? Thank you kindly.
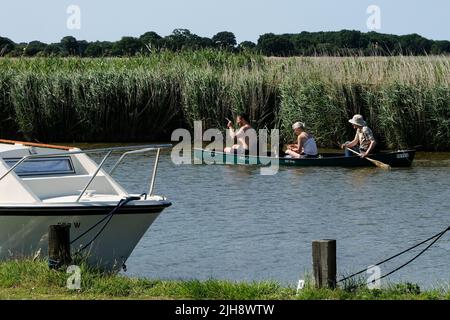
(230, 222)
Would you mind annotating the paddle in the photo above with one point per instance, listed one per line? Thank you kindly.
(379, 164)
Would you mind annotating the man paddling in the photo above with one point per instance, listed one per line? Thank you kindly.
(364, 141)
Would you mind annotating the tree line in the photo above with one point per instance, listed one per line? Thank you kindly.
(335, 43)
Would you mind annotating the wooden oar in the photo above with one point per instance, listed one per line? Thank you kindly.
(379, 164)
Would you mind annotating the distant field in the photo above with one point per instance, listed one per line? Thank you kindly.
(406, 100)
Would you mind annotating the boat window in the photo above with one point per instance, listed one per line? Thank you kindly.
(42, 166)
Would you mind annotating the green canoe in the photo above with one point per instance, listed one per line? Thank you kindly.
(401, 158)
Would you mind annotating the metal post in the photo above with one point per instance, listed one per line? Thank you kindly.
(155, 167)
(94, 175)
(126, 154)
(15, 166)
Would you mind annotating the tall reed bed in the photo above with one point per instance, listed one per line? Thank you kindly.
(404, 99)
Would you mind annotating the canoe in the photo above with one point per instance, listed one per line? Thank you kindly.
(400, 158)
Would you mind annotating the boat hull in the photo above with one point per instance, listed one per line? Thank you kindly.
(24, 231)
(402, 158)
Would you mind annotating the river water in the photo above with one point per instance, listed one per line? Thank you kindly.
(230, 222)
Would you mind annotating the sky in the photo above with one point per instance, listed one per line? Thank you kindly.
(109, 20)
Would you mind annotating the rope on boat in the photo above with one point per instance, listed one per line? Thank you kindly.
(108, 217)
(436, 237)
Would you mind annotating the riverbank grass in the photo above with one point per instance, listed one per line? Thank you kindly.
(34, 280)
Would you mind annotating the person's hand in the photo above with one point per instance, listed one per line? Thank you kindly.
(343, 146)
(229, 125)
(364, 154)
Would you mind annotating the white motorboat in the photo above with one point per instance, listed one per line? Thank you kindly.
(43, 185)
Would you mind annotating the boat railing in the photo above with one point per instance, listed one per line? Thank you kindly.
(109, 151)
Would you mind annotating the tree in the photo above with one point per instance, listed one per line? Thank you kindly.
(82, 46)
(224, 40)
(34, 47)
(275, 45)
(179, 39)
(247, 46)
(99, 49)
(53, 49)
(6, 46)
(94, 50)
(151, 40)
(349, 39)
(200, 42)
(440, 47)
(127, 46)
(69, 45)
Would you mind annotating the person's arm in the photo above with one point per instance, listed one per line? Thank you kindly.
(231, 130)
(369, 150)
(299, 147)
(237, 134)
(351, 144)
(369, 135)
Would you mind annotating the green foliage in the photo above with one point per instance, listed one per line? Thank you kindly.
(127, 46)
(225, 40)
(276, 45)
(6, 46)
(70, 46)
(314, 103)
(349, 43)
(335, 43)
(405, 100)
(34, 47)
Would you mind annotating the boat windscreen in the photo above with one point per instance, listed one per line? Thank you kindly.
(42, 166)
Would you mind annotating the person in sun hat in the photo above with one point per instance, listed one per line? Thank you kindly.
(306, 145)
(364, 141)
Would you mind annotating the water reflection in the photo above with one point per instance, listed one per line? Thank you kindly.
(362, 176)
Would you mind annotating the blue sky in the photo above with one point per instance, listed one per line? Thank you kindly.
(45, 20)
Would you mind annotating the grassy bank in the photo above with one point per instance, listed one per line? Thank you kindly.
(33, 280)
(406, 100)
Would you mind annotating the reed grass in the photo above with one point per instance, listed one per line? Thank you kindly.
(404, 99)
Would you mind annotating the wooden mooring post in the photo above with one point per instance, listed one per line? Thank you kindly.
(324, 263)
(59, 246)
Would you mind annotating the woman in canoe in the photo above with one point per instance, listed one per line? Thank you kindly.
(306, 145)
(364, 141)
(247, 140)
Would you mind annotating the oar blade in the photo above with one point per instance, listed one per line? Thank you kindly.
(380, 164)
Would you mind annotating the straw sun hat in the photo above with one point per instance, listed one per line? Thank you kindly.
(357, 120)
